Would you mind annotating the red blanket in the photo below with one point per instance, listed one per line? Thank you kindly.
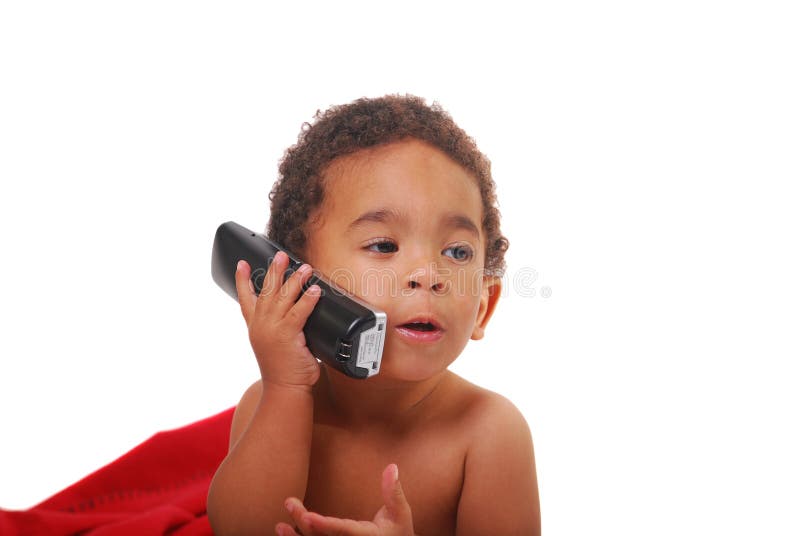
(159, 487)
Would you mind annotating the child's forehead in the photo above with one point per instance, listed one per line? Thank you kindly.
(406, 182)
(401, 162)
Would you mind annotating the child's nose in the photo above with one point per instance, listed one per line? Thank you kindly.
(426, 277)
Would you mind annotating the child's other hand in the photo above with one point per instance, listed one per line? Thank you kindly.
(275, 320)
(393, 519)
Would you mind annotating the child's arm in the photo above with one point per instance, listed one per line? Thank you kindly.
(500, 493)
(267, 461)
(271, 433)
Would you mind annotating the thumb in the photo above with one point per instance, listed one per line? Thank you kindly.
(393, 497)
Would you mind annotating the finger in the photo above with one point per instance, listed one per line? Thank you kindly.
(393, 497)
(299, 312)
(273, 280)
(333, 526)
(283, 529)
(244, 291)
(296, 509)
(291, 289)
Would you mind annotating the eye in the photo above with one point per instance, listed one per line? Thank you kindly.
(461, 253)
(382, 246)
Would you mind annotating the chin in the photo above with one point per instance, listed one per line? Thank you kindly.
(411, 369)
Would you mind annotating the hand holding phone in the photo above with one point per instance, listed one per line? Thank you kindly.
(275, 318)
(341, 330)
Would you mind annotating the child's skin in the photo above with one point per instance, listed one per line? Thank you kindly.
(307, 440)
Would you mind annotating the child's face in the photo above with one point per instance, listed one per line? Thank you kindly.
(400, 227)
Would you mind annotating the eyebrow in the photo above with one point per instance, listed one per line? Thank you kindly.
(374, 216)
(459, 221)
(452, 221)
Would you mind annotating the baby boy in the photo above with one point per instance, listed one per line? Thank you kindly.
(393, 202)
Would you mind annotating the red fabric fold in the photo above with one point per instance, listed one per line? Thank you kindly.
(159, 487)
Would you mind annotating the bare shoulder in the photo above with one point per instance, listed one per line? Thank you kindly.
(482, 410)
(500, 490)
(244, 412)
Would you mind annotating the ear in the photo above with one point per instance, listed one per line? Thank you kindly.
(490, 294)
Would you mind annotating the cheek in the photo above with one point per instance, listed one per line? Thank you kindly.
(380, 284)
(463, 283)
(374, 284)
(467, 310)
(344, 278)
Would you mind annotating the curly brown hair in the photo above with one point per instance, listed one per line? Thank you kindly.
(365, 123)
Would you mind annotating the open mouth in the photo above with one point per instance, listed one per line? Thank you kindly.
(420, 330)
(420, 326)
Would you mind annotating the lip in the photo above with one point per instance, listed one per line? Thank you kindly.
(417, 336)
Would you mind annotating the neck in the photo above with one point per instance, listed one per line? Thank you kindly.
(375, 402)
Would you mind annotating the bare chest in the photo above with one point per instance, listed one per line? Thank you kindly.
(346, 468)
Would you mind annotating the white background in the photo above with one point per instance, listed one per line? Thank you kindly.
(646, 156)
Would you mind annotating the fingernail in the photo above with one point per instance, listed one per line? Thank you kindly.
(289, 506)
(396, 472)
(314, 290)
(239, 265)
